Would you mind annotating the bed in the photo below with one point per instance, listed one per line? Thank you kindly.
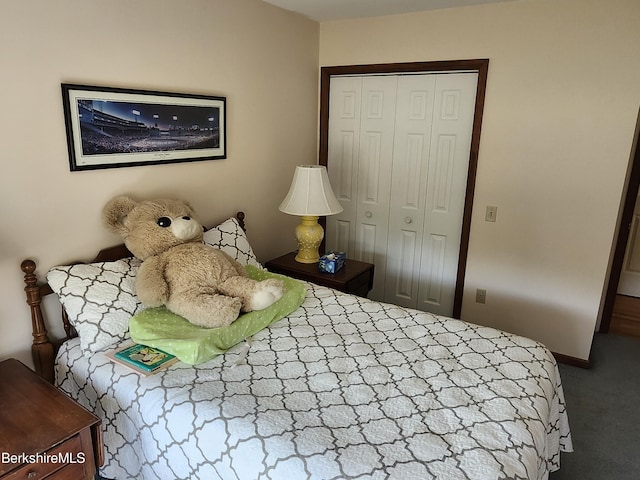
(342, 387)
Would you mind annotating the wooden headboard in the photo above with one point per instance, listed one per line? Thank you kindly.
(43, 348)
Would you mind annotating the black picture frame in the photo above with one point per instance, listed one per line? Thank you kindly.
(116, 127)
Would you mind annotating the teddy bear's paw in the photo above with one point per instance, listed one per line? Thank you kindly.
(266, 293)
(275, 287)
(226, 315)
(209, 311)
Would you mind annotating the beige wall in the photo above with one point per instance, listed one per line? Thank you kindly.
(263, 59)
(562, 99)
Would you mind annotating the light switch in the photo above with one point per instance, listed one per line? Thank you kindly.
(491, 214)
(481, 295)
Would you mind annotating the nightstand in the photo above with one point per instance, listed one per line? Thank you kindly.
(43, 433)
(354, 277)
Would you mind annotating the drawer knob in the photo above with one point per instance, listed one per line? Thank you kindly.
(408, 220)
(368, 214)
(32, 474)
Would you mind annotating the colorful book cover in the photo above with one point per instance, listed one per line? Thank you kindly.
(145, 358)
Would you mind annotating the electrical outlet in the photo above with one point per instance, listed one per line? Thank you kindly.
(481, 295)
(492, 213)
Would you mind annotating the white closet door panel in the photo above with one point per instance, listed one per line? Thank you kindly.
(414, 112)
(401, 282)
(367, 237)
(434, 264)
(341, 240)
(376, 141)
(446, 189)
(345, 148)
(377, 123)
(342, 162)
(372, 192)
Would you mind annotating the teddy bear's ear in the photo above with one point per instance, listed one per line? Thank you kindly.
(192, 211)
(115, 211)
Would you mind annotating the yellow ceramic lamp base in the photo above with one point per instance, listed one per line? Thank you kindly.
(309, 235)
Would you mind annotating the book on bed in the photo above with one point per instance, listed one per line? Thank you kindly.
(141, 358)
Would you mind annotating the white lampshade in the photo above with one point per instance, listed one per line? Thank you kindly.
(310, 193)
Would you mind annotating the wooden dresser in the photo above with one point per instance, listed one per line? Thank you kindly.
(43, 433)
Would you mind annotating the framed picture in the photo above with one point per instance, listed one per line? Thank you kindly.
(116, 127)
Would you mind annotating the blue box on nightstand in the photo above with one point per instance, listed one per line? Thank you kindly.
(331, 262)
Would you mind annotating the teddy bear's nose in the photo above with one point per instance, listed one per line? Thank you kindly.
(185, 228)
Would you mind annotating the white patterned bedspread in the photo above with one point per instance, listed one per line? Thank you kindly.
(344, 388)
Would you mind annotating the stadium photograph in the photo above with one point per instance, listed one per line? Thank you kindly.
(108, 127)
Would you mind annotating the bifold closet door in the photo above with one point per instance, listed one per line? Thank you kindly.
(434, 123)
(342, 164)
(361, 137)
(412, 145)
(398, 159)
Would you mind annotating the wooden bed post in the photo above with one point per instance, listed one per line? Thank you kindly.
(240, 218)
(42, 349)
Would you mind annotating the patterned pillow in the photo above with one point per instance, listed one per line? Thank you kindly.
(231, 239)
(99, 299)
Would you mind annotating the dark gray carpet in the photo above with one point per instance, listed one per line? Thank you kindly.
(604, 412)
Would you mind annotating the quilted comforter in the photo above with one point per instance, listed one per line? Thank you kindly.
(343, 388)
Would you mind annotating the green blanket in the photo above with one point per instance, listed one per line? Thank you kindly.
(160, 328)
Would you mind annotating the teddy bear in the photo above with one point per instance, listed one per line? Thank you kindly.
(192, 279)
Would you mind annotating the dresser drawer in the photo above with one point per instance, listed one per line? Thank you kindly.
(61, 462)
(74, 471)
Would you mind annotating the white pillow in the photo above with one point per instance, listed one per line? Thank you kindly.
(231, 239)
(99, 299)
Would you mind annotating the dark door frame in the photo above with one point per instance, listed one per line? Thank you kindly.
(481, 66)
(629, 195)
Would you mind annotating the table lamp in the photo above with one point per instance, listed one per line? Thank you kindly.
(309, 197)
